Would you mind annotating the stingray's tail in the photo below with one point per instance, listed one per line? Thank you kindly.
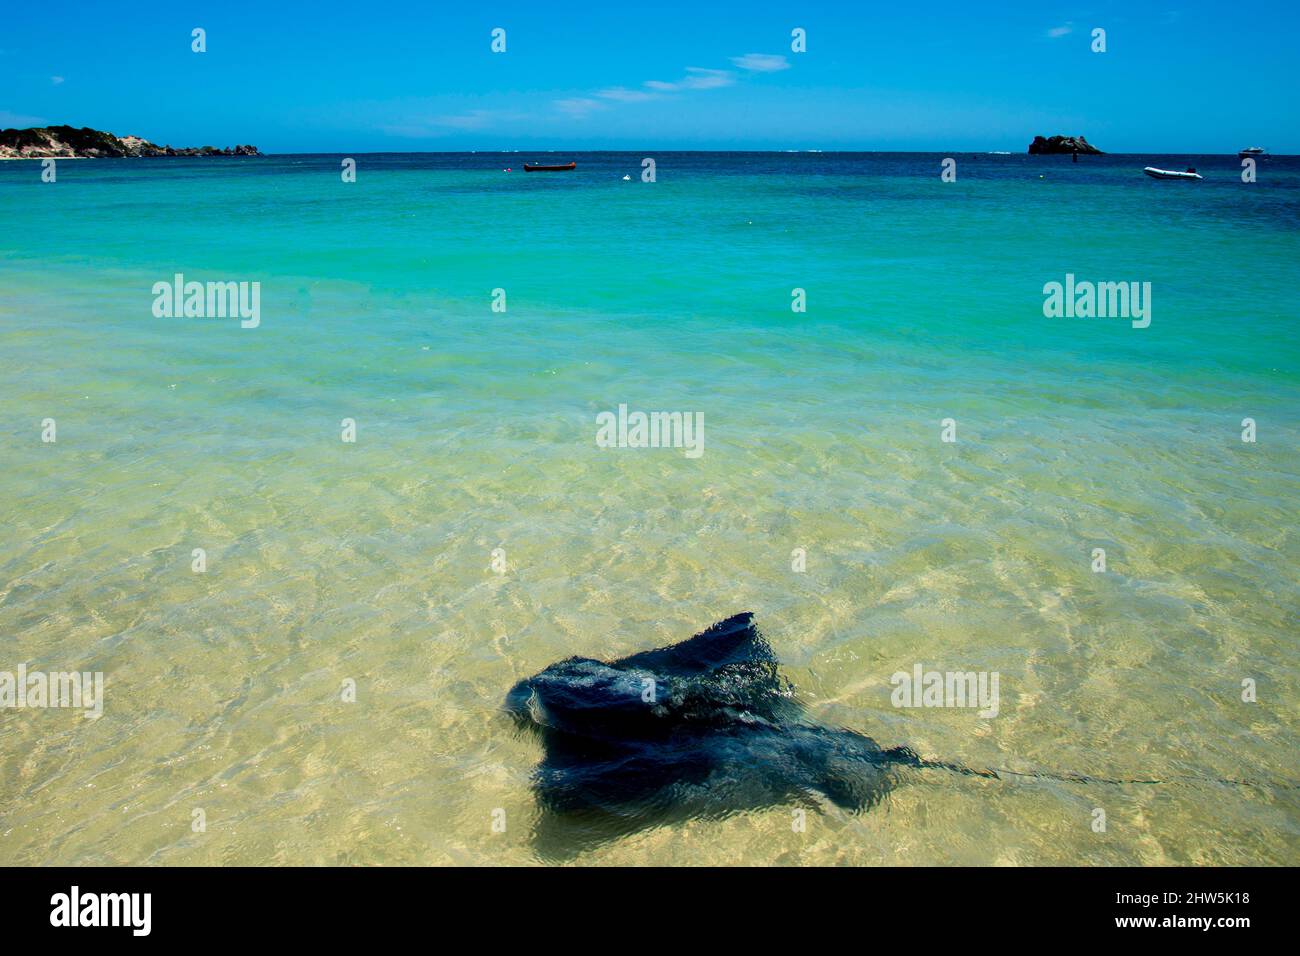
(909, 758)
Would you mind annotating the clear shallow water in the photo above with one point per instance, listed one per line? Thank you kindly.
(476, 430)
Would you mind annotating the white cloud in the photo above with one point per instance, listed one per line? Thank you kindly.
(696, 78)
(1061, 31)
(622, 94)
(579, 106)
(422, 127)
(761, 62)
(699, 78)
(21, 120)
(56, 80)
(474, 119)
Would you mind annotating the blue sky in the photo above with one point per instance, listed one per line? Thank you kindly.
(327, 76)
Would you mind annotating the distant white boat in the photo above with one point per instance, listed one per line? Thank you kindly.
(1171, 173)
(1259, 151)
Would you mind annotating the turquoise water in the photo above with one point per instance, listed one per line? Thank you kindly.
(372, 561)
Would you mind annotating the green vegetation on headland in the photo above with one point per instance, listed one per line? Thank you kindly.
(67, 142)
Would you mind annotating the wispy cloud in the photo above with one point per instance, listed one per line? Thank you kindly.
(578, 106)
(761, 62)
(21, 120)
(474, 119)
(56, 80)
(1062, 30)
(426, 126)
(422, 122)
(696, 78)
(622, 94)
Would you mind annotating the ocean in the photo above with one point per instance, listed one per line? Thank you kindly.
(305, 640)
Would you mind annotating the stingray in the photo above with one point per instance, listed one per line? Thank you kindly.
(705, 728)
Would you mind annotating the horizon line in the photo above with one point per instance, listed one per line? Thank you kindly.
(751, 149)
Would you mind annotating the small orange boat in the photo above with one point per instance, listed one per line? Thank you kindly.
(535, 168)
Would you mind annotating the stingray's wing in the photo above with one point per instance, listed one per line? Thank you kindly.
(849, 768)
(732, 641)
(721, 675)
(590, 793)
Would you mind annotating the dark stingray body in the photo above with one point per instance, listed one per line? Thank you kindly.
(718, 731)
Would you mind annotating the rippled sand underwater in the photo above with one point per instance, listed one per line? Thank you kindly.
(372, 561)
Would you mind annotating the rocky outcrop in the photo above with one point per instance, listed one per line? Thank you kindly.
(67, 142)
(1062, 144)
